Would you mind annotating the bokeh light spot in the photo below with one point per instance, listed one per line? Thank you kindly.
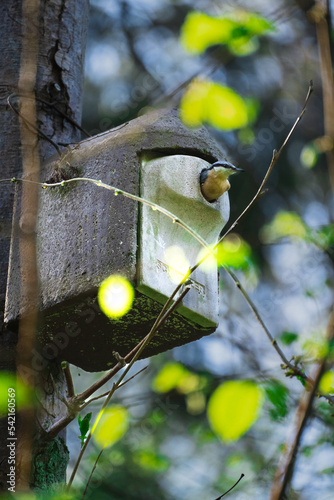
(115, 296)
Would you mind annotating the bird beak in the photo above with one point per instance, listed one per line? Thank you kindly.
(239, 169)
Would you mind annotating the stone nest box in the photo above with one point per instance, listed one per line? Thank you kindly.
(86, 233)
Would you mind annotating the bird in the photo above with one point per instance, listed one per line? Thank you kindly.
(214, 179)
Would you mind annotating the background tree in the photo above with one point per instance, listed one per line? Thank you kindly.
(281, 253)
(38, 89)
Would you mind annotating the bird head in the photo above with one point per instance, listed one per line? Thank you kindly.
(224, 169)
(214, 179)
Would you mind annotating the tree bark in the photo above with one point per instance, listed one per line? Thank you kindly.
(61, 26)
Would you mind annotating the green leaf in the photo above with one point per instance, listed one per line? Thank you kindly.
(284, 224)
(324, 237)
(13, 390)
(110, 425)
(84, 426)
(307, 451)
(200, 31)
(326, 383)
(309, 156)
(234, 407)
(277, 394)
(316, 347)
(149, 460)
(234, 252)
(237, 31)
(213, 104)
(287, 338)
(168, 378)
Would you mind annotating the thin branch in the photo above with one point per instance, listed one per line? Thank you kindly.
(117, 191)
(52, 106)
(292, 367)
(275, 157)
(261, 322)
(30, 125)
(133, 355)
(92, 472)
(286, 465)
(69, 380)
(158, 323)
(106, 393)
(228, 491)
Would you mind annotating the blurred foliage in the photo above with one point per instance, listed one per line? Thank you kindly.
(237, 30)
(288, 338)
(235, 252)
(209, 103)
(110, 426)
(284, 224)
(176, 376)
(277, 394)
(326, 384)
(15, 392)
(142, 55)
(234, 407)
(178, 264)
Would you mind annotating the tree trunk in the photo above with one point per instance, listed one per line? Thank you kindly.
(61, 27)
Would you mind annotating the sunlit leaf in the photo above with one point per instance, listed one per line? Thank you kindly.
(115, 296)
(253, 107)
(309, 156)
(326, 383)
(277, 394)
(246, 136)
(178, 264)
(195, 402)
(151, 461)
(255, 23)
(284, 224)
(169, 377)
(316, 347)
(13, 393)
(243, 46)
(234, 460)
(236, 30)
(210, 262)
(110, 426)
(200, 31)
(288, 337)
(234, 252)
(234, 407)
(190, 382)
(213, 104)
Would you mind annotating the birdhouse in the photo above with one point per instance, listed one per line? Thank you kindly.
(85, 234)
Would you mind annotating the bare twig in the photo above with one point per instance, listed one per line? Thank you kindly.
(106, 393)
(30, 124)
(275, 157)
(166, 310)
(228, 491)
(92, 472)
(285, 467)
(260, 320)
(69, 380)
(158, 323)
(117, 191)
